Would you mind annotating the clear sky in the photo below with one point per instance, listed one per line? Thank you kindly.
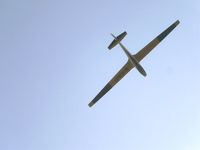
(54, 60)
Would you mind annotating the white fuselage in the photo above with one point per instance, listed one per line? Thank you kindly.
(131, 58)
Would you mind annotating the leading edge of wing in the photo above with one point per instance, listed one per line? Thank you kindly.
(121, 73)
(143, 52)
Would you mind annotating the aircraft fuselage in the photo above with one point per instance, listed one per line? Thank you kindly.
(133, 60)
(131, 57)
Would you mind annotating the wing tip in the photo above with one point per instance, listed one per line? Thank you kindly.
(177, 22)
(90, 104)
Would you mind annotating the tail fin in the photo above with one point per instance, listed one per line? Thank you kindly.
(115, 42)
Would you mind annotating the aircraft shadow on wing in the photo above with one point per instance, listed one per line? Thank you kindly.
(133, 60)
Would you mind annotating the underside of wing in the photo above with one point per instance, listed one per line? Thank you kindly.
(143, 52)
(122, 72)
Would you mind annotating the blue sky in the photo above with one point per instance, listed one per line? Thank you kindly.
(54, 60)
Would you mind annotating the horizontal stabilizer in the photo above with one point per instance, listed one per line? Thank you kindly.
(115, 42)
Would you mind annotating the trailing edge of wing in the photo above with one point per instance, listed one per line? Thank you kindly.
(143, 52)
(122, 72)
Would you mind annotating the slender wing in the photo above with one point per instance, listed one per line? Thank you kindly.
(143, 52)
(128, 66)
(122, 72)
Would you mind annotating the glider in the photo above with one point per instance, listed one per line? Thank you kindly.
(133, 60)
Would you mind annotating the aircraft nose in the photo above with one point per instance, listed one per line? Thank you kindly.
(144, 73)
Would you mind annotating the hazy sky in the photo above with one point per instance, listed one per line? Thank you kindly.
(54, 60)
